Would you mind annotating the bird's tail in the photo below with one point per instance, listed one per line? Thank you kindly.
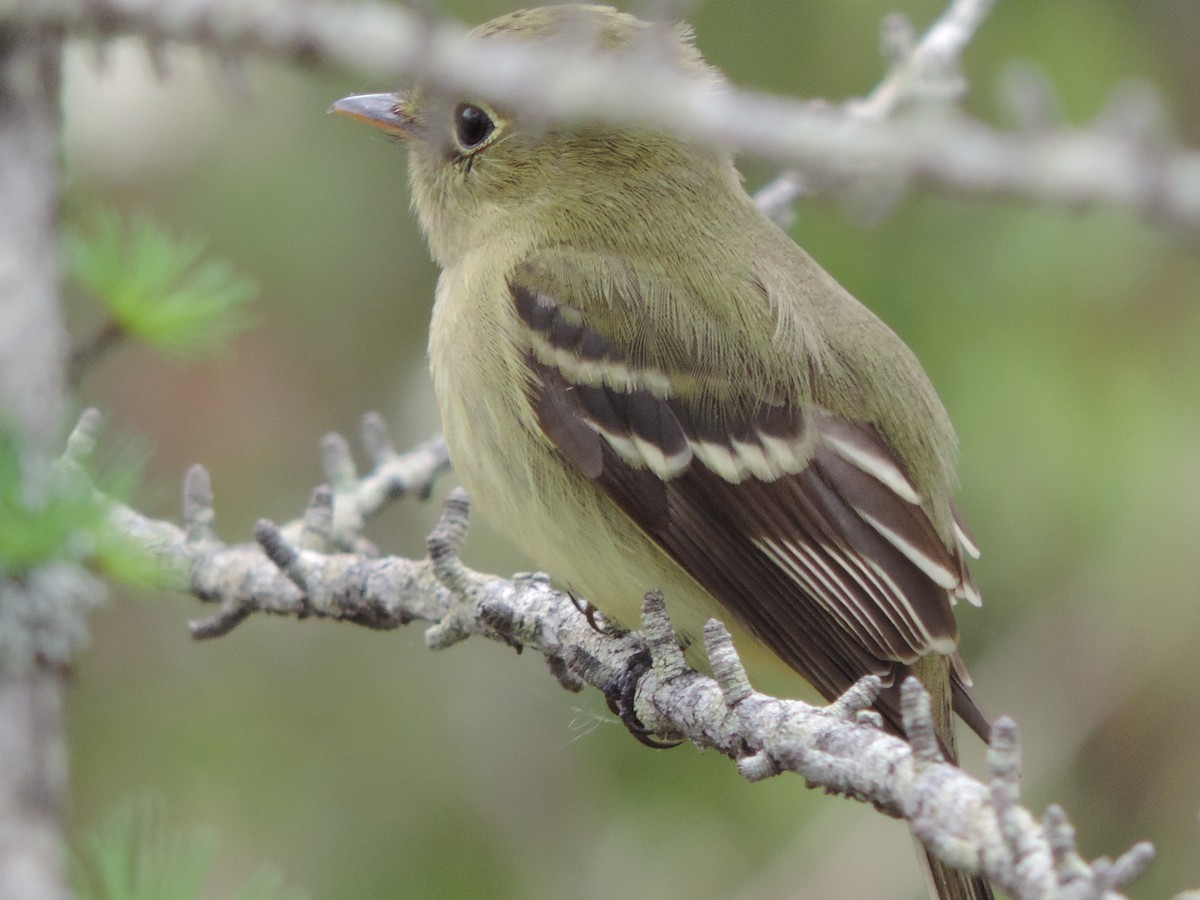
(935, 672)
(946, 883)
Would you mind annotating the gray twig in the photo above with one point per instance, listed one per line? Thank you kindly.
(939, 147)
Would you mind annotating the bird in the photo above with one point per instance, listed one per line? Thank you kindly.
(646, 383)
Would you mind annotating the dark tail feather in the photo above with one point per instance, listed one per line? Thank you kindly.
(948, 685)
(951, 884)
(965, 705)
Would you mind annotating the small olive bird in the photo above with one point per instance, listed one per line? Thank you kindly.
(646, 383)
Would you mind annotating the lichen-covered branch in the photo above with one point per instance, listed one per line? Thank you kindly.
(302, 571)
(1125, 160)
(242, 578)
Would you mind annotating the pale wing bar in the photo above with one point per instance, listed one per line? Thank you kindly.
(755, 498)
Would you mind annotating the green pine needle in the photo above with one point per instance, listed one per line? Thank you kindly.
(158, 288)
(134, 856)
(67, 521)
(34, 530)
(137, 855)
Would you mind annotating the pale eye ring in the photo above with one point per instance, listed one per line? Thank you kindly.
(472, 126)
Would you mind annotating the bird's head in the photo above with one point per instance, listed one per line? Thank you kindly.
(478, 169)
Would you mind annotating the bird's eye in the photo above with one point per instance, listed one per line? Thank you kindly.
(472, 126)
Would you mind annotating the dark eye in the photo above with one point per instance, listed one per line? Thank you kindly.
(472, 126)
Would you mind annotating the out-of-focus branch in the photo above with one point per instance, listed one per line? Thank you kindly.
(925, 69)
(1125, 161)
(41, 606)
(978, 827)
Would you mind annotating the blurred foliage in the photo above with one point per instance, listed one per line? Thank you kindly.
(67, 520)
(159, 289)
(38, 530)
(135, 854)
(1063, 343)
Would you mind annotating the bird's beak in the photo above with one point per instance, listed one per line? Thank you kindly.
(380, 111)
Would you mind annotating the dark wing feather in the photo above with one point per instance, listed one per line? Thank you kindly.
(803, 526)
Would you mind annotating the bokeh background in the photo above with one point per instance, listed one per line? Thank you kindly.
(1066, 346)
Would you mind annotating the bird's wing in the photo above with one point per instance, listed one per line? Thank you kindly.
(804, 526)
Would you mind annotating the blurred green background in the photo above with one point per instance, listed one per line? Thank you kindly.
(1065, 345)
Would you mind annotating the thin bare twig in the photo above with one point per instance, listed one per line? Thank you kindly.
(1074, 167)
